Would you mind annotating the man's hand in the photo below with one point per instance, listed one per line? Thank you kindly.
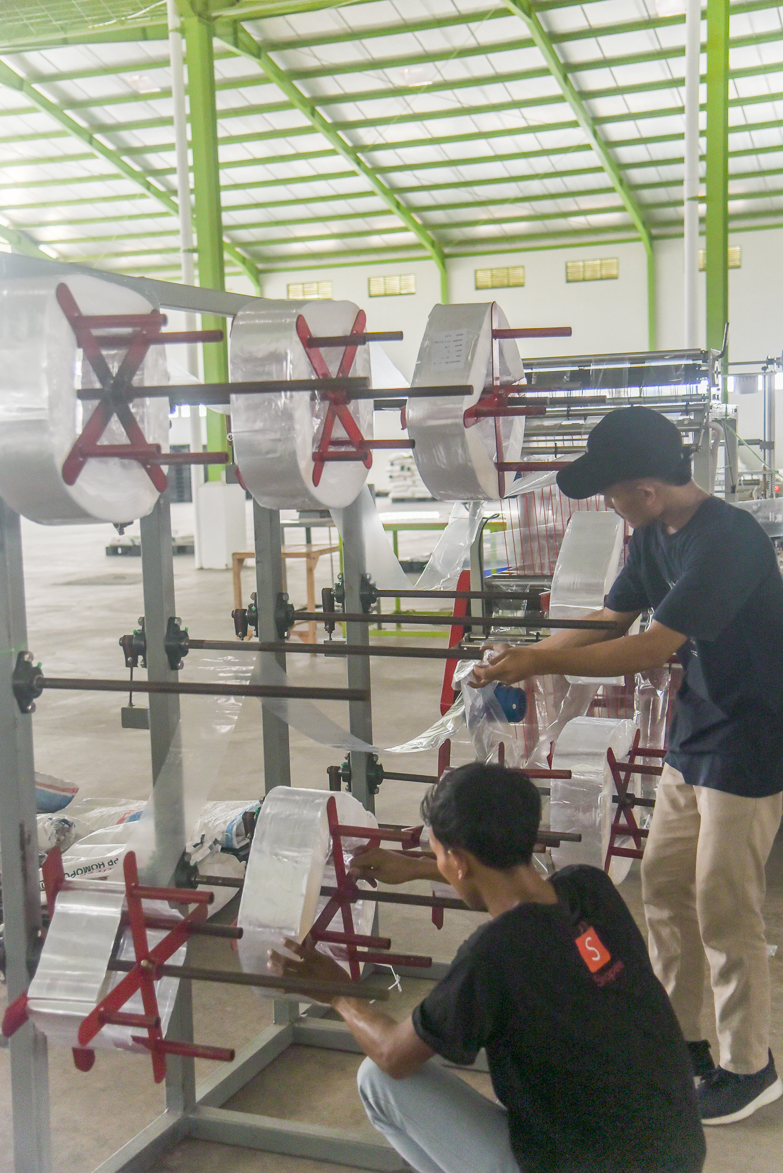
(508, 665)
(309, 963)
(390, 867)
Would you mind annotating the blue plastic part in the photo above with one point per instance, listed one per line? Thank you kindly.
(513, 702)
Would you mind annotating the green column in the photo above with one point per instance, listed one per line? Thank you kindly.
(206, 207)
(717, 221)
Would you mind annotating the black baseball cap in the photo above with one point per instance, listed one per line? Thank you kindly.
(627, 444)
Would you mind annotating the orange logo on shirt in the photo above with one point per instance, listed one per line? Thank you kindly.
(594, 953)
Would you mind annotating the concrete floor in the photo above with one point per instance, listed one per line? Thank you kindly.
(79, 603)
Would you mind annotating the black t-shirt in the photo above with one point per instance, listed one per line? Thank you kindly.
(717, 581)
(583, 1046)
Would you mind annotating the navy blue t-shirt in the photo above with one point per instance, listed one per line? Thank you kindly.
(717, 581)
(583, 1047)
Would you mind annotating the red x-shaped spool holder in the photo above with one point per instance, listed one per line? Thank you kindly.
(141, 978)
(145, 332)
(624, 824)
(359, 947)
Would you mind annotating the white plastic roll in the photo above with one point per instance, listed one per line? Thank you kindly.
(583, 803)
(274, 435)
(289, 862)
(458, 463)
(41, 417)
(72, 969)
(587, 565)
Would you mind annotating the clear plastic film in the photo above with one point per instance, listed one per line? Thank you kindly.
(41, 370)
(651, 707)
(452, 548)
(583, 803)
(274, 434)
(587, 565)
(458, 463)
(381, 562)
(308, 719)
(290, 860)
(487, 724)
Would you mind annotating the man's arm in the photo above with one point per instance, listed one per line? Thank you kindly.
(391, 867)
(599, 657)
(393, 1046)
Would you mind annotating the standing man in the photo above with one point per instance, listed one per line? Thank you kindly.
(710, 576)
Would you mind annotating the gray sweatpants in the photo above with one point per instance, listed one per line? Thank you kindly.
(436, 1121)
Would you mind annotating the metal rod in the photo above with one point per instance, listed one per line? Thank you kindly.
(458, 621)
(531, 465)
(231, 932)
(431, 779)
(196, 688)
(229, 977)
(336, 649)
(413, 593)
(109, 341)
(632, 358)
(354, 339)
(400, 898)
(356, 388)
(534, 332)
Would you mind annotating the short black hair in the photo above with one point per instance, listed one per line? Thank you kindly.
(491, 811)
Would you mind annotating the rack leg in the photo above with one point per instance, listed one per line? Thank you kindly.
(358, 667)
(19, 843)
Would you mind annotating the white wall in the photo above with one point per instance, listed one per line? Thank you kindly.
(605, 316)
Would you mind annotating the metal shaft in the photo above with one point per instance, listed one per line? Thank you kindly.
(527, 621)
(229, 977)
(195, 688)
(335, 649)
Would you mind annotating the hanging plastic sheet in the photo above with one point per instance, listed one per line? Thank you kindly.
(41, 416)
(452, 550)
(587, 565)
(457, 463)
(583, 803)
(381, 562)
(275, 434)
(307, 719)
(290, 859)
(487, 721)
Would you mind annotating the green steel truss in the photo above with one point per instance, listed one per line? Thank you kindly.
(500, 130)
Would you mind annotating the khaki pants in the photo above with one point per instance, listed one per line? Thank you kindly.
(703, 886)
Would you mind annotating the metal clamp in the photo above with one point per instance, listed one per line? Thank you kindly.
(375, 774)
(176, 643)
(26, 682)
(134, 646)
(285, 615)
(246, 617)
(368, 593)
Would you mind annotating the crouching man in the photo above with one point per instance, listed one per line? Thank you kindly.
(588, 1063)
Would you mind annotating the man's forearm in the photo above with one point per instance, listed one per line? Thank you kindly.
(393, 1046)
(615, 657)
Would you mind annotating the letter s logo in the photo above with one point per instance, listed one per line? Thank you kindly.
(594, 953)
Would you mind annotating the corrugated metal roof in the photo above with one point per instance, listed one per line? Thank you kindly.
(449, 103)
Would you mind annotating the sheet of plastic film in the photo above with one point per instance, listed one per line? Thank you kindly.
(583, 803)
(307, 719)
(274, 434)
(380, 561)
(452, 548)
(458, 463)
(73, 962)
(289, 861)
(41, 369)
(586, 567)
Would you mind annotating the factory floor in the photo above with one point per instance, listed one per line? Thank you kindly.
(79, 602)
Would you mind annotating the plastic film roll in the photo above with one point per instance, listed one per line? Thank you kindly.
(586, 567)
(457, 463)
(41, 368)
(289, 861)
(275, 434)
(584, 802)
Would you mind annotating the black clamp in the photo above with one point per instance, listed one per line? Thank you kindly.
(285, 615)
(27, 682)
(368, 593)
(329, 606)
(134, 646)
(246, 617)
(176, 643)
(342, 775)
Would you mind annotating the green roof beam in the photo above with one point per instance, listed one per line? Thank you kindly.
(249, 47)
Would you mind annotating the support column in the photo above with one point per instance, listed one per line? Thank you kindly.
(691, 178)
(717, 222)
(207, 210)
(358, 667)
(269, 584)
(19, 844)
